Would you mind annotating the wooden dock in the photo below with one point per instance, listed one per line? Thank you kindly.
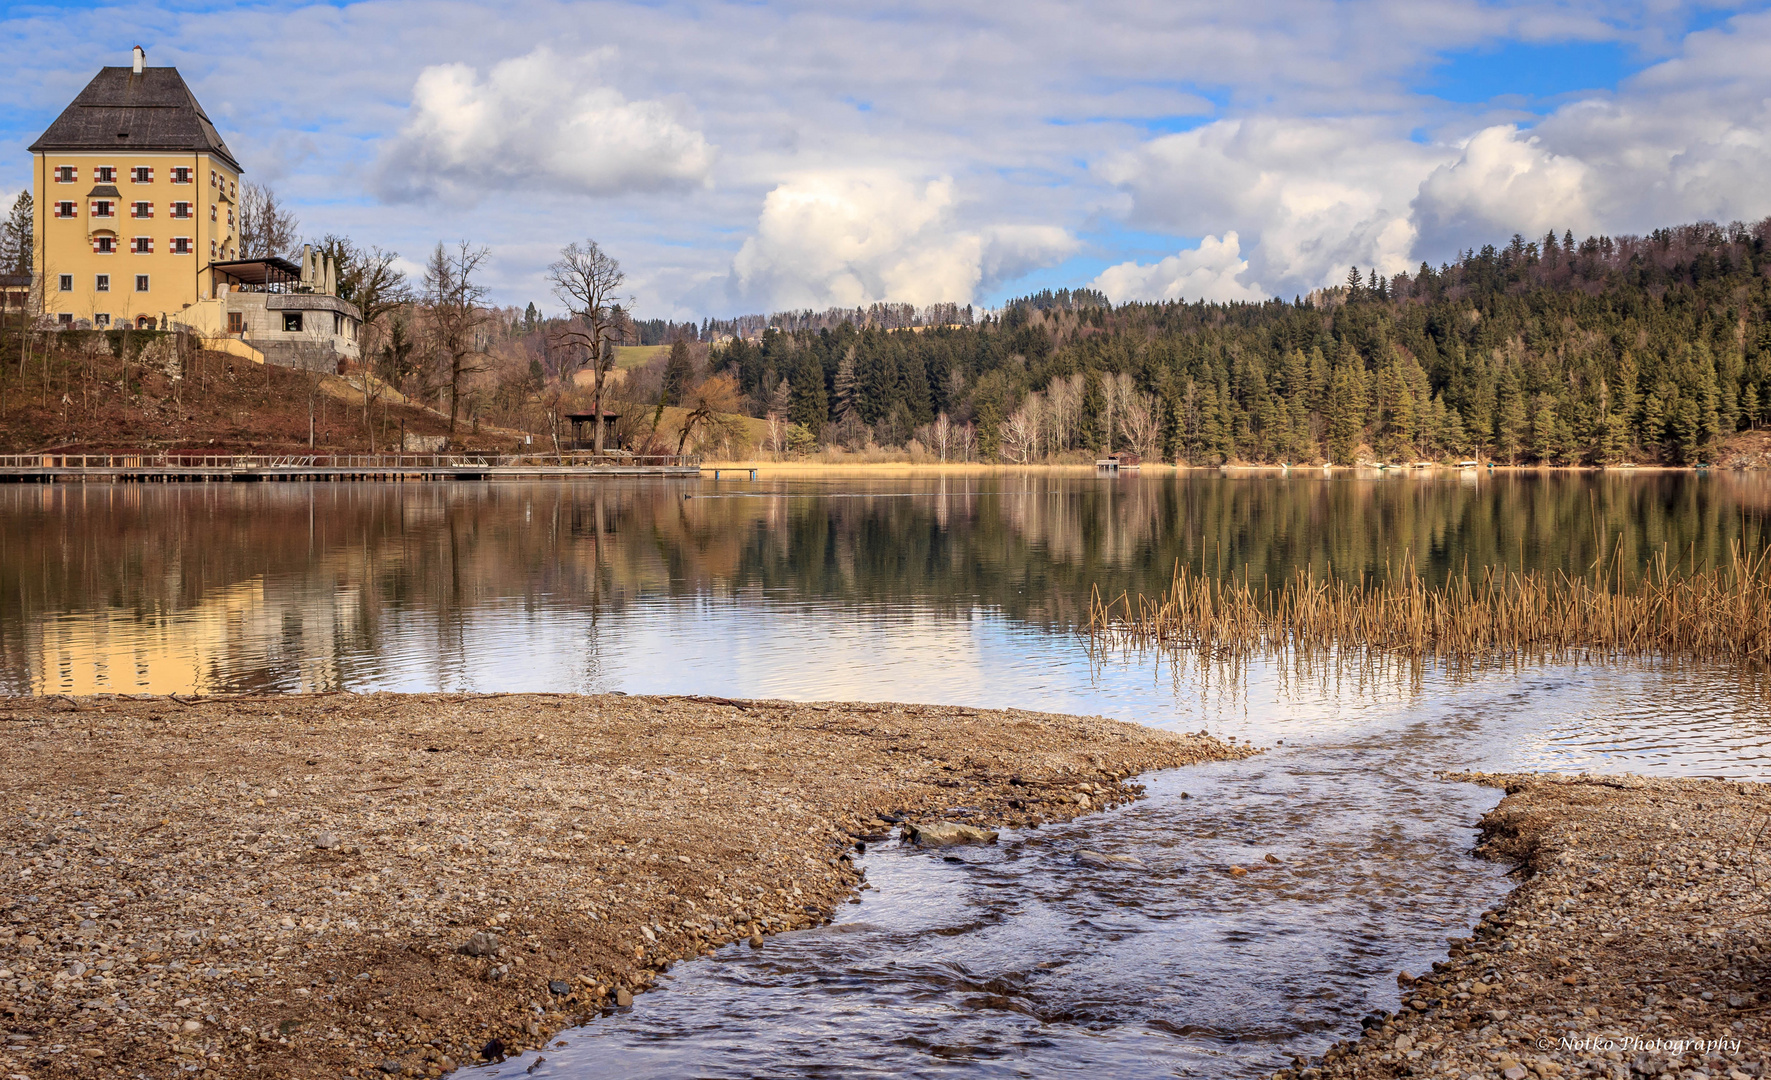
(55, 468)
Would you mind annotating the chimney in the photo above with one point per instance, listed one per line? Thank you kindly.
(141, 58)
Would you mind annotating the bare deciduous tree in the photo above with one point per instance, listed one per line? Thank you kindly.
(267, 227)
(368, 278)
(1020, 432)
(941, 435)
(708, 404)
(777, 440)
(965, 439)
(588, 281)
(454, 307)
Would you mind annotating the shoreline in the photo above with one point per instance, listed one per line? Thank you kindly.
(766, 468)
(390, 884)
(1637, 944)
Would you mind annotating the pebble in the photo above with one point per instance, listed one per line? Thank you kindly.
(596, 842)
(1624, 925)
(947, 834)
(1096, 858)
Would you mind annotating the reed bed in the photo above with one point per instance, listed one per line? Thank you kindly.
(1720, 613)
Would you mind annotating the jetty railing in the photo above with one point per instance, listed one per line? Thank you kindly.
(181, 460)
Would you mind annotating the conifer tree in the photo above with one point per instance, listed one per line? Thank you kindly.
(845, 387)
(16, 235)
(679, 372)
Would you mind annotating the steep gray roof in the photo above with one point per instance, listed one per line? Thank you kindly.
(120, 110)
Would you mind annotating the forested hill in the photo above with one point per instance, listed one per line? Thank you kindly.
(1610, 349)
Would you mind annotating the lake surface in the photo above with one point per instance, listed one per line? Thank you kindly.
(1014, 960)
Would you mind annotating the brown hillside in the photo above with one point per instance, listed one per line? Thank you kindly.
(92, 398)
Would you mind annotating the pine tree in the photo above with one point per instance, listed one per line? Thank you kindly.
(846, 386)
(1514, 422)
(810, 403)
(1346, 411)
(16, 237)
(781, 398)
(679, 372)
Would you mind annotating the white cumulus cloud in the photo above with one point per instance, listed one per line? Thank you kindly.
(1312, 196)
(848, 238)
(1503, 182)
(1210, 271)
(537, 121)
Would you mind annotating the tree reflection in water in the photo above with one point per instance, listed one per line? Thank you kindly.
(229, 587)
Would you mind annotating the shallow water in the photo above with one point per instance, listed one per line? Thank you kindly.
(1015, 960)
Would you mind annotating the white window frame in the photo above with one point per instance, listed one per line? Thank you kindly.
(101, 319)
(73, 208)
(190, 174)
(141, 174)
(142, 283)
(98, 174)
(141, 245)
(66, 282)
(136, 208)
(183, 245)
(101, 283)
(72, 177)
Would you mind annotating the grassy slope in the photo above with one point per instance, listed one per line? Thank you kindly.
(224, 402)
(632, 356)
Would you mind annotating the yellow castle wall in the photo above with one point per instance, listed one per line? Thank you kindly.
(64, 245)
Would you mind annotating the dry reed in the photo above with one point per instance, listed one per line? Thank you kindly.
(1721, 613)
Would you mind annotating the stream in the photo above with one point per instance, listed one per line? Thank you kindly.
(1016, 960)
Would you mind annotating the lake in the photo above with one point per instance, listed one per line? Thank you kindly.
(961, 589)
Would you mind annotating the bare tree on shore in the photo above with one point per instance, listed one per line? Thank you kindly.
(267, 228)
(588, 281)
(454, 307)
(369, 279)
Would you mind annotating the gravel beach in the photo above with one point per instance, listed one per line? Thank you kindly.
(1637, 943)
(403, 884)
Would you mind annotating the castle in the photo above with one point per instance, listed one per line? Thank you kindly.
(138, 224)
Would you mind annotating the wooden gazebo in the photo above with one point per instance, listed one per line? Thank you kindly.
(584, 433)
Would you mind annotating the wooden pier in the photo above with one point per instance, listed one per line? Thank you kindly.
(55, 468)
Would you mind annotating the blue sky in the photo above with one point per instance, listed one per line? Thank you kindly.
(745, 157)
